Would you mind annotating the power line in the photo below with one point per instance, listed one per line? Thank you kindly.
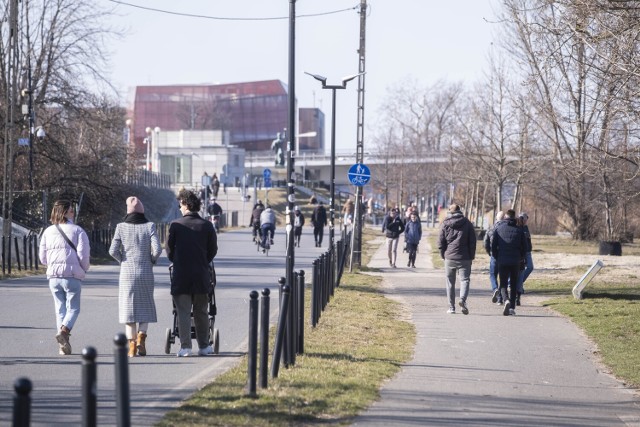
(221, 18)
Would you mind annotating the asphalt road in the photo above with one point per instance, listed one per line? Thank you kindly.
(158, 382)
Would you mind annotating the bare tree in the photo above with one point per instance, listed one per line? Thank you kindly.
(569, 58)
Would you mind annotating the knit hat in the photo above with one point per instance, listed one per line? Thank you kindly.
(134, 205)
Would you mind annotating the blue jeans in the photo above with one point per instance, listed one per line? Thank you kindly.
(493, 273)
(66, 297)
(528, 259)
(267, 231)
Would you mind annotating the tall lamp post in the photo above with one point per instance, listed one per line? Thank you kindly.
(152, 139)
(332, 189)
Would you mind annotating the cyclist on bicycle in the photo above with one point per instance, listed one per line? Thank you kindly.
(254, 223)
(267, 225)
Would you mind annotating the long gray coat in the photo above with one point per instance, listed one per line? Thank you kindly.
(136, 247)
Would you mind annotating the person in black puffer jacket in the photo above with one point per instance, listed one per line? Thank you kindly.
(457, 244)
(508, 247)
(392, 227)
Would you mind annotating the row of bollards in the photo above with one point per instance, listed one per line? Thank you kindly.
(326, 274)
(289, 339)
(23, 387)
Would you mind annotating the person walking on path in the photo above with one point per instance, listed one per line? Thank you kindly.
(319, 221)
(508, 247)
(392, 227)
(298, 223)
(64, 249)
(191, 246)
(528, 259)
(413, 234)
(136, 247)
(493, 267)
(457, 244)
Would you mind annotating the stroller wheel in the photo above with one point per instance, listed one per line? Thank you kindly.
(167, 343)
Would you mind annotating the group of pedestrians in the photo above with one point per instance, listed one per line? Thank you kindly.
(508, 244)
(191, 247)
(393, 226)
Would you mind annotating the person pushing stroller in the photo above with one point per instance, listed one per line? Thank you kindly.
(191, 246)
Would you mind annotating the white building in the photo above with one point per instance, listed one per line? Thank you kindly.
(186, 155)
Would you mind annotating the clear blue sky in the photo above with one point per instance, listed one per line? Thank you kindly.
(429, 40)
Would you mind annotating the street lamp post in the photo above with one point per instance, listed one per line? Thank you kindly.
(152, 139)
(332, 189)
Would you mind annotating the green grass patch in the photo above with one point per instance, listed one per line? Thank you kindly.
(358, 343)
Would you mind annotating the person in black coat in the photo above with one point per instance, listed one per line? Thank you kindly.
(191, 246)
(319, 220)
(392, 227)
(508, 247)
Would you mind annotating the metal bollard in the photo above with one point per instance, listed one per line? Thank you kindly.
(300, 314)
(315, 285)
(253, 342)
(282, 282)
(290, 332)
(123, 412)
(264, 337)
(89, 387)
(277, 351)
(22, 402)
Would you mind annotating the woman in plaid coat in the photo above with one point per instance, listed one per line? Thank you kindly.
(136, 247)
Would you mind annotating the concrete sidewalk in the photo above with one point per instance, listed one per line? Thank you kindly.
(486, 369)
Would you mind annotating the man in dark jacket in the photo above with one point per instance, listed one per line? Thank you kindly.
(392, 227)
(319, 220)
(457, 244)
(254, 223)
(493, 265)
(191, 246)
(508, 247)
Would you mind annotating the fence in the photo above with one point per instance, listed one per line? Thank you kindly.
(21, 252)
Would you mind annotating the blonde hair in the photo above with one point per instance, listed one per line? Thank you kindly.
(60, 208)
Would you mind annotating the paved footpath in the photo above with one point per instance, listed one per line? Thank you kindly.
(485, 369)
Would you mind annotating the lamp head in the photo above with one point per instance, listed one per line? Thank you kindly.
(349, 78)
(319, 78)
(40, 133)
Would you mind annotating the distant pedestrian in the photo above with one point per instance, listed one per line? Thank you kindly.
(392, 227)
(493, 266)
(528, 258)
(298, 222)
(136, 247)
(413, 234)
(508, 247)
(319, 221)
(457, 244)
(64, 249)
(215, 185)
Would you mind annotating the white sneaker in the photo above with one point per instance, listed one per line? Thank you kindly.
(512, 312)
(451, 310)
(205, 351)
(184, 352)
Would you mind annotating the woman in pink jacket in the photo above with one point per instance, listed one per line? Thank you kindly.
(64, 249)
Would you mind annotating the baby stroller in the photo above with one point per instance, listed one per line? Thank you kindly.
(214, 334)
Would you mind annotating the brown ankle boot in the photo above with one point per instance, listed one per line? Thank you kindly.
(132, 348)
(142, 350)
(63, 340)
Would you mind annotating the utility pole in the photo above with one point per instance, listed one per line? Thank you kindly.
(356, 237)
(289, 137)
(12, 61)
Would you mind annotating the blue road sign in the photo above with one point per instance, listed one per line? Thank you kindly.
(359, 174)
(267, 182)
(266, 173)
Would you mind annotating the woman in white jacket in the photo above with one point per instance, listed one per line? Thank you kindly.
(64, 249)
